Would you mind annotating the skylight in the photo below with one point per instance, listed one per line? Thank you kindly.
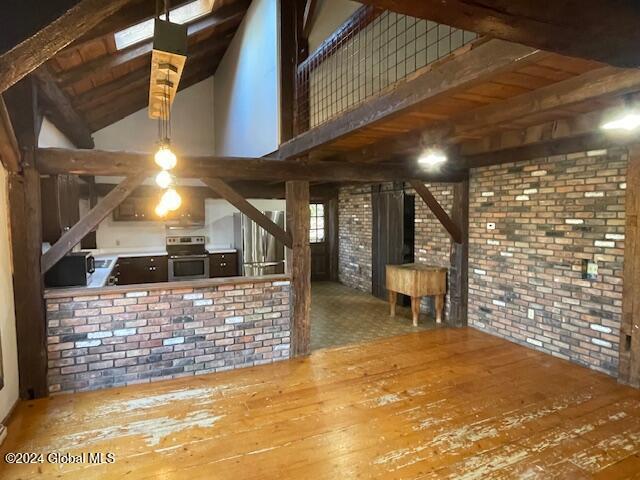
(144, 30)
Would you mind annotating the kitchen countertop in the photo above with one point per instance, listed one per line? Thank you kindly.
(101, 276)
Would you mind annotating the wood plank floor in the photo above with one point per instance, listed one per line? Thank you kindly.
(455, 404)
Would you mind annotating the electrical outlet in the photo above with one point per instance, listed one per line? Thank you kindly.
(491, 226)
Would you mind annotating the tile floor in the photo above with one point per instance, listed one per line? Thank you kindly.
(343, 316)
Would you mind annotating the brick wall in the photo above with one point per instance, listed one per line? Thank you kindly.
(525, 279)
(432, 242)
(354, 233)
(121, 337)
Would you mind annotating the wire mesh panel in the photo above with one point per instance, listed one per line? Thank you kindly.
(372, 50)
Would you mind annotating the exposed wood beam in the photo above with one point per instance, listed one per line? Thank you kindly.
(9, 149)
(223, 18)
(629, 367)
(238, 201)
(91, 220)
(299, 263)
(564, 26)
(63, 114)
(28, 55)
(98, 162)
(460, 72)
(449, 225)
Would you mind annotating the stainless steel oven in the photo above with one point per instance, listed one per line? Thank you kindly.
(188, 258)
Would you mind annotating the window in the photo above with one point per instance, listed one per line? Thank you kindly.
(317, 222)
(144, 30)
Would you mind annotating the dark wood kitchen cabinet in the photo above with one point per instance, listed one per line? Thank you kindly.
(135, 209)
(136, 270)
(223, 265)
(60, 199)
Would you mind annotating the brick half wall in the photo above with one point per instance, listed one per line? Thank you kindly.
(122, 336)
(525, 281)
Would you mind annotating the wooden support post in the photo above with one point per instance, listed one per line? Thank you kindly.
(298, 224)
(629, 364)
(458, 270)
(450, 226)
(91, 220)
(26, 242)
(238, 201)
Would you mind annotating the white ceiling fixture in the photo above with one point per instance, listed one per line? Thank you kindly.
(432, 157)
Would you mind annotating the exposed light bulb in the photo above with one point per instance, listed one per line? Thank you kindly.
(432, 157)
(629, 121)
(171, 200)
(161, 210)
(164, 179)
(165, 158)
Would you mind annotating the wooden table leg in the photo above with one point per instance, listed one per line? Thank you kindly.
(415, 309)
(393, 298)
(439, 308)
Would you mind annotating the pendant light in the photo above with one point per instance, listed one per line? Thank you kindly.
(167, 62)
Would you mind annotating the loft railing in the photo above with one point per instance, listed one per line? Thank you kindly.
(372, 50)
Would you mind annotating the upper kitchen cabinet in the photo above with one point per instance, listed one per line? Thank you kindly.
(140, 209)
(60, 200)
(134, 209)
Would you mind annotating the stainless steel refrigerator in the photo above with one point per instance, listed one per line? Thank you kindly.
(259, 251)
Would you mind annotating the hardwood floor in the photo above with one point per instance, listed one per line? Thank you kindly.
(455, 404)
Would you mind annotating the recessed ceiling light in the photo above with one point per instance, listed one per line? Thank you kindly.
(432, 157)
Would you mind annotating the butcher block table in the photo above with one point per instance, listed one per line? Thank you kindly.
(417, 281)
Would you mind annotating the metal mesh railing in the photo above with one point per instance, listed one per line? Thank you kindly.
(372, 50)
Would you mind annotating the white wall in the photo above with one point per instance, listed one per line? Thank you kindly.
(50, 136)
(192, 126)
(331, 14)
(247, 86)
(9, 349)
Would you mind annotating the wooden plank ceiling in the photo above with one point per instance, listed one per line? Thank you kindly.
(104, 84)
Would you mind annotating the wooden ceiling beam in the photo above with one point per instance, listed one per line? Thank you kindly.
(223, 18)
(62, 113)
(463, 71)
(97, 162)
(44, 43)
(9, 149)
(592, 29)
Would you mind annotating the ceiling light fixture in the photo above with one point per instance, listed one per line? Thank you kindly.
(432, 157)
(164, 179)
(167, 62)
(628, 122)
